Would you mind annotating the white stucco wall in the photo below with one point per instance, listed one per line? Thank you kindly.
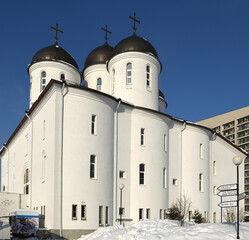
(152, 194)
(122, 151)
(78, 145)
(91, 75)
(53, 71)
(137, 92)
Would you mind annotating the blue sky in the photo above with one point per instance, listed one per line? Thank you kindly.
(203, 46)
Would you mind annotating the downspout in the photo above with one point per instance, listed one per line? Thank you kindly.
(31, 159)
(61, 175)
(180, 167)
(115, 163)
(213, 137)
(4, 145)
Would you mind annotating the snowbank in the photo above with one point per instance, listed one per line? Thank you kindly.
(169, 230)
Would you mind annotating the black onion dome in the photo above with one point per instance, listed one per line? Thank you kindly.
(134, 44)
(161, 94)
(99, 55)
(54, 53)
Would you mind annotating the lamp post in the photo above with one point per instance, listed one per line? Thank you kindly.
(237, 160)
(121, 187)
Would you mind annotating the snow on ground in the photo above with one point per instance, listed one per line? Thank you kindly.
(169, 230)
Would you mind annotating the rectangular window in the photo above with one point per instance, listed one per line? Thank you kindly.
(148, 82)
(148, 213)
(107, 216)
(100, 215)
(214, 167)
(165, 143)
(164, 178)
(175, 182)
(141, 173)
(201, 182)
(165, 214)
(228, 125)
(44, 130)
(160, 214)
(92, 166)
(74, 212)
(83, 212)
(243, 126)
(141, 213)
(214, 190)
(142, 137)
(201, 151)
(94, 125)
(214, 217)
(121, 174)
(244, 119)
(42, 216)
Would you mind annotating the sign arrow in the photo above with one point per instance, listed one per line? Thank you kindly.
(227, 193)
(228, 204)
(242, 196)
(227, 187)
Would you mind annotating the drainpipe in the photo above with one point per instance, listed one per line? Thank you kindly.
(115, 162)
(31, 158)
(61, 179)
(4, 145)
(213, 137)
(180, 167)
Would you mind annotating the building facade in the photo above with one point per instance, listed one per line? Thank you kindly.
(234, 126)
(77, 145)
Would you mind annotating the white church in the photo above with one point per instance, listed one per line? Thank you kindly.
(84, 150)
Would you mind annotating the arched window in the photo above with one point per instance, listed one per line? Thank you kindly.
(26, 181)
(141, 173)
(43, 80)
(128, 73)
(99, 84)
(62, 76)
(148, 81)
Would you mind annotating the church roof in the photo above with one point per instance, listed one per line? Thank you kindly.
(54, 53)
(134, 43)
(99, 55)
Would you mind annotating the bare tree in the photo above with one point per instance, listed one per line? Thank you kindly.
(230, 214)
(179, 209)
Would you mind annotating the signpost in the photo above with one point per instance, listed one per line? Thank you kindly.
(228, 204)
(242, 196)
(231, 190)
(228, 187)
(227, 193)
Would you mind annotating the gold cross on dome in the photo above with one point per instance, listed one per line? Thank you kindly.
(56, 36)
(106, 32)
(135, 20)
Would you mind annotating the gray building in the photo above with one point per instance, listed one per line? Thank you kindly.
(234, 125)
